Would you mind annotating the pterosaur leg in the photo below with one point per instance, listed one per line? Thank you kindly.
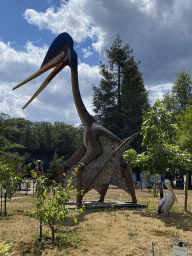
(95, 152)
(127, 175)
(103, 192)
(74, 159)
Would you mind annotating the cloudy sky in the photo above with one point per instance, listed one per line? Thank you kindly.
(158, 31)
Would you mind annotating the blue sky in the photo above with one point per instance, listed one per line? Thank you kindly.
(158, 31)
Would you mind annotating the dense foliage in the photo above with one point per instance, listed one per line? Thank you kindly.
(39, 135)
(53, 171)
(179, 98)
(166, 131)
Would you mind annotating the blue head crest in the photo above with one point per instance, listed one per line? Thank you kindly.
(60, 43)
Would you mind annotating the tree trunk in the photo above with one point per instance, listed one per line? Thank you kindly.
(40, 236)
(119, 90)
(53, 234)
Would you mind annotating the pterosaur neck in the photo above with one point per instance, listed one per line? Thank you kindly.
(84, 115)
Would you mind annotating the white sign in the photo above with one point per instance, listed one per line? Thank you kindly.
(179, 251)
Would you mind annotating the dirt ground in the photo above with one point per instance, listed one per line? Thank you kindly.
(104, 231)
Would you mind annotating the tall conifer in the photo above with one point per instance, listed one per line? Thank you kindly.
(121, 97)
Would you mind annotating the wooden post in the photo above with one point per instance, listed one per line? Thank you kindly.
(186, 190)
(5, 192)
(153, 249)
(33, 187)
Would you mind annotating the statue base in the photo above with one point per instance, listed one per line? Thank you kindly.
(107, 204)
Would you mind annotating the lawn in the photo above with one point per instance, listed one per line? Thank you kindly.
(102, 231)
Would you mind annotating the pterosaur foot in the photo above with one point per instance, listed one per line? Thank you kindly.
(103, 192)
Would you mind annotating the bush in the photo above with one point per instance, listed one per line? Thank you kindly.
(5, 249)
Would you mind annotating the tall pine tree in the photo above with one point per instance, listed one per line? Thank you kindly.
(121, 97)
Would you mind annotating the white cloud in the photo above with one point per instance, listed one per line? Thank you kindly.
(87, 53)
(9, 55)
(158, 31)
(138, 22)
(56, 101)
(72, 17)
(9, 102)
(157, 91)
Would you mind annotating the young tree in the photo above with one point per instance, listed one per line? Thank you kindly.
(12, 171)
(159, 137)
(53, 209)
(185, 132)
(179, 103)
(157, 127)
(121, 97)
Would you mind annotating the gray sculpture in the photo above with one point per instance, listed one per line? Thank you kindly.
(167, 201)
(100, 157)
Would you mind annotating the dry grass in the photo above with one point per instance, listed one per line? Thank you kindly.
(104, 232)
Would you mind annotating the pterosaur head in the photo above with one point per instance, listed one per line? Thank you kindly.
(59, 55)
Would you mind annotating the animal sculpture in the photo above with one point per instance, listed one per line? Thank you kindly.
(99, 144)
(167, 201)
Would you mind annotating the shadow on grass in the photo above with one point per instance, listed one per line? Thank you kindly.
(63, 240)
(178, 219)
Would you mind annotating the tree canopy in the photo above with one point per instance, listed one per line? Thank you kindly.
(166, 131)
(179, 98)
(19, 132)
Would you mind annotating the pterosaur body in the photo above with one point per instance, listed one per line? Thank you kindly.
(59, 55)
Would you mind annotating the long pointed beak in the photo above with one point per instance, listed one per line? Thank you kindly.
(51, 64)
(171, 189)
(57, 62)
(46, 82)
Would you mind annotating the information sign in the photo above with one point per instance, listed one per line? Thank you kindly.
(179, 251)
